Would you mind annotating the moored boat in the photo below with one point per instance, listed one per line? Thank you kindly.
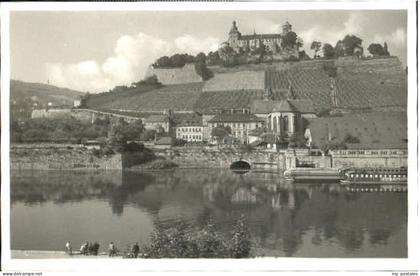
(375, 176)
(313, 174)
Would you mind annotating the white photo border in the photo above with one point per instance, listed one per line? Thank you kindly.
(257, 264)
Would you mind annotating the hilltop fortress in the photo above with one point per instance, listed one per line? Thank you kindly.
(273, 42)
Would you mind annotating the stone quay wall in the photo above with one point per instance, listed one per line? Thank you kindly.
(390, 158)
(213, 157)
(78, 157)
(60, 157)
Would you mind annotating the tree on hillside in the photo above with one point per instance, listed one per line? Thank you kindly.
(339, 49)
(163, 62)
(350, 43)
(328, 51)
(261, 51)
(289, 40)
(203, 71)
(377, 50)
(213, 58)
(303, 55)
(122, 131)
(177, 60)
(152, 80)
(220, 132)
(299, 43)
(316, 47)
(228, 56)
(200, 58)
(386, 49)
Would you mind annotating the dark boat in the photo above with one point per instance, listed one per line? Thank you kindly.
(375, 176)
(312, 175)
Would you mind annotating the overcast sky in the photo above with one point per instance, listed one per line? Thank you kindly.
(94, 51)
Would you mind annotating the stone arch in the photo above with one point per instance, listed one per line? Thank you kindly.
(240, 165)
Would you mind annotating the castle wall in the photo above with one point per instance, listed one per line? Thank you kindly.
(244, 80)
(186, 74)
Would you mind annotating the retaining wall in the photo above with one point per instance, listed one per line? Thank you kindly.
(60, 157)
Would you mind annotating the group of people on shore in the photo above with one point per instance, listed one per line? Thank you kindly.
(89, 248)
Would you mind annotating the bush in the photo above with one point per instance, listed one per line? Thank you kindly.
(161, 164)
(240, 244)
(131, 159)
(331, 145)
(350, 139)
(133, 147)
(183, 241)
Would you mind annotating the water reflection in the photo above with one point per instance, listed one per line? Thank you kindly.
(284, 219)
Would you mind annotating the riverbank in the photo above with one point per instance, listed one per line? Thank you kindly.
(79, 157)
(47, 254)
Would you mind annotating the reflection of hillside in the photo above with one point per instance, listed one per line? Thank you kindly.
(279, 214)
(35, 187)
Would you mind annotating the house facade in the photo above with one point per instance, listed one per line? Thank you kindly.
(155, 122)
(240, 124)
(190, 133)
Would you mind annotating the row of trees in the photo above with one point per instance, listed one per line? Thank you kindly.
(65, 130)
(347, 47)
(227, 56)
(71, 130)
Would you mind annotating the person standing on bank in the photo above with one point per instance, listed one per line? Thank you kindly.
(95, 248)
(112, 249)
(68, 248)
(135, 250)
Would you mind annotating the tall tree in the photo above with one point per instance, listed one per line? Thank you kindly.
(227, 55)
(328, 51)
(386, 49)
(316, 47)
(200, 58)
(350, 42)
(213, 58)
(163, 62)
(376, 49)
(289, 40)
(339, 49)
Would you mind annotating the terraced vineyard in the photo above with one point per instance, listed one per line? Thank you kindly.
(217, 100)
(374, 130)
(371, 90)
(306, 84)
(354, 89)
(181, 97)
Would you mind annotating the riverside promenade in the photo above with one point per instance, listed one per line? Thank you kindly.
(45, 254)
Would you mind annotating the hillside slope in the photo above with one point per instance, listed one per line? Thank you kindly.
(24, 95)
(371, 84)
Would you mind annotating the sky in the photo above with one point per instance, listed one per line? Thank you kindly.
(95, 51)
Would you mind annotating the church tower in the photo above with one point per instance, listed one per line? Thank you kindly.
(287, 27)
(234, 36)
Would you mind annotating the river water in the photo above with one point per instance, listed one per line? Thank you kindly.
(294, 220)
